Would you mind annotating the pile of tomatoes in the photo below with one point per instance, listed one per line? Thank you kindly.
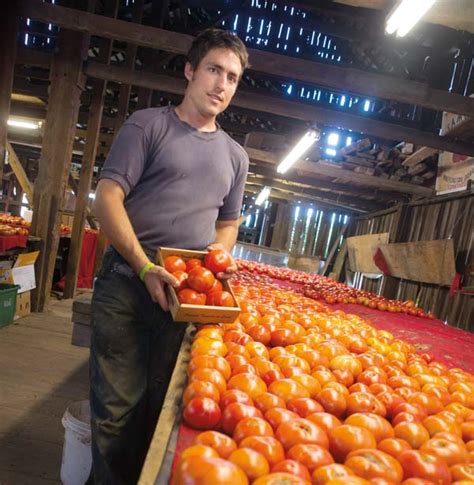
(332, 292)
(295, 393)
(198, 278)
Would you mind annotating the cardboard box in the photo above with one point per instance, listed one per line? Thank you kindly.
(20, 271)
(182, 312)
(23, 304)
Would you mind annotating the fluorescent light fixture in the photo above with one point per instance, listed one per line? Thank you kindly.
(91, 195)
(263, 195)
(29, 125)
(331, 152)
(333, 139)
(406, 15)
(300, 148)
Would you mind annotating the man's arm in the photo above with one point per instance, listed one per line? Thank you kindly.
(226, 233)
(114, 222)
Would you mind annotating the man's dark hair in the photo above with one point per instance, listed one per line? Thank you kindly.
(216, 39)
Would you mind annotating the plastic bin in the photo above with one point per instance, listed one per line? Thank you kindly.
(8, 295)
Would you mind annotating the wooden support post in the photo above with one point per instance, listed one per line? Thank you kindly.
(8, 42)
(20, 173)
(334, 247)
(87, 166)
(67, 83)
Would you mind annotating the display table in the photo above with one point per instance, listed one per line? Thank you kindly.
(10, 242)
(85, 275)
(446, 344)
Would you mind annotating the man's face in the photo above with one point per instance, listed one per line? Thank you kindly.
(213, 83)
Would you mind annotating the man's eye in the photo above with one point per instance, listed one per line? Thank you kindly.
(212, 69)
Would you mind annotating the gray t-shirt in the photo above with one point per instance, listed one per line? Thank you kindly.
(177, 180)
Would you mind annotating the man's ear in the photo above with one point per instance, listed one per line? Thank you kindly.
(188, 71)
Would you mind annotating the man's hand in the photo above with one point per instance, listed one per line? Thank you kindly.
(155, 280)
(229, 272)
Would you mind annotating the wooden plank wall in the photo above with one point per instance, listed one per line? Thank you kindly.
(440, 218)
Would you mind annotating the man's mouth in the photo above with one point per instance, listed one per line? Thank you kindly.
(215, 97)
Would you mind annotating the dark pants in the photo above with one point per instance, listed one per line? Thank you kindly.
(134, 348)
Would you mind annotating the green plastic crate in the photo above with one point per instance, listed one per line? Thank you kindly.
(7, 303)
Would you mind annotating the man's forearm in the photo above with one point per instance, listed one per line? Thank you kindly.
(227, 236)
(116, 225)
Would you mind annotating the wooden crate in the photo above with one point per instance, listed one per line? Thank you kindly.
(182, 312)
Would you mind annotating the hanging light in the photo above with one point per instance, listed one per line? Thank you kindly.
(263, 195)
(300, 148)
(28, 125)
(406, 15)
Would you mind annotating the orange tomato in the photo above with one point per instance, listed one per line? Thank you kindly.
(292, 467)
(452, 452)
(347, 438)
(253, 463)
(223, 444)
(414, 433)
(379, 426)
(200, 389)
(199, 450)
(370, 464)
(251, 384)
(300, 430)
(326, 473)
(268, 446)
(312, 456)
(304, 406)
(394, 446)
(253, 426)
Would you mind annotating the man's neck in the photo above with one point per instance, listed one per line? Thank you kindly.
(190, 115)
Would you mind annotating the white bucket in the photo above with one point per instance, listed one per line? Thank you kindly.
(77, 457)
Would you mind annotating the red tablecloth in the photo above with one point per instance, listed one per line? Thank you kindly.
(9, 242)
(86, 263)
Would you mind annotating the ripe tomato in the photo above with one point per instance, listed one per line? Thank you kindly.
(292, 467)
(192, 263)
(452, 452)
(251, 384)
(361, 402)
(199, 470)
(280, 478)
(311, 384)
(378, 425)
(282, 336)
(200, 389)
(304, 406)
(333, 401)
(220, 298)
(260, 334)
(223, 444)
(326, 473)
(393, 446)
(191, 297)
(200, 279)
(202, 413)
(462, 471)
(182, 277)
(467, 430)
(218, 260)
(277, 416)
(174, 263)
(268, 446)
(347, 438)
(298, 431)
(236, 411)
(251, 427)
(209, 375)
(422, 464)
(234, 395)
(253, 463)
(267, 401)
(372, 464)
(288, 389)
(312, 456)
(431, 404)
(211, 362)
(208, 346)
(199, 450)
(325, 421)
(415, 433)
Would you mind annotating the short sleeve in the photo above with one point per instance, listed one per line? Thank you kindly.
(127, 158)
(233, 202)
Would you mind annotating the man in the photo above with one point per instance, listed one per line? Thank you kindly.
(172, 178)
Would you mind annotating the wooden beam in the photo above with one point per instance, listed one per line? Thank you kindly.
(67, 82)
(74, 186)
(344, 79)
(334, 247)
(289, 109)
(331, 170)
(418, 156)
(8, 33)
(20, 173)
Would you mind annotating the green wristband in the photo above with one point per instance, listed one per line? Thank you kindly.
(145, 269)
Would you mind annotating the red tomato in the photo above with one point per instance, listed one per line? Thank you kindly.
(462, 471)
(253, 463)
(325, 421)
(415, 433)
(174, 263)
(223, 444)
(347, 438)
(333, 401)
(200, 389)
(394, 446)
(251, 427)
(276, 416)
(200, 279)
(312, 456)
(209, 375)
(202, 413)
(192, 263)
(234, 395)
(198, 470)
(267, 401)
(191, 297)
(182, 277)
(422, 464)
(280, 478)
(304, 406)
(236, 411)
(268, 446)
(370, 464)
(298, 431)
(217, 286)
(292, 467)
(218, 260)
(361, 402)
(220, 298)
(452, 452)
